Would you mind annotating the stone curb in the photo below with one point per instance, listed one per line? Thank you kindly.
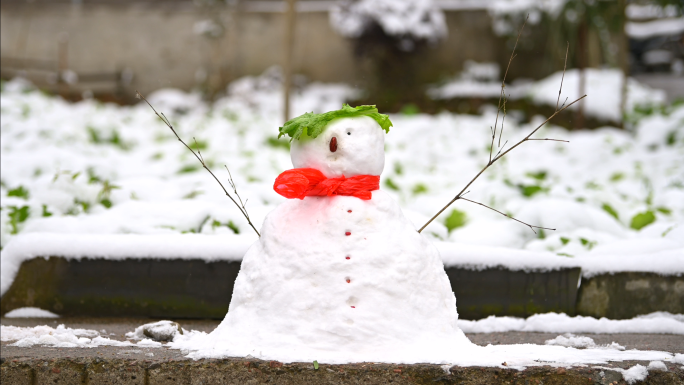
(241, 371)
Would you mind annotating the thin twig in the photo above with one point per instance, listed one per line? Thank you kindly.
(501, 149)
(563, 77)
(491, 145)
(503, 83)
(232, 184)
(503, 120)
(199, 157)
(532, 227)
(502, 154)
(538, 127)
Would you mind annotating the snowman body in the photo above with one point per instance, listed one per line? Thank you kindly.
(341, 279)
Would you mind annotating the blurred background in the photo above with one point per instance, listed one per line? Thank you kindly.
(86, 166)
(107, 48)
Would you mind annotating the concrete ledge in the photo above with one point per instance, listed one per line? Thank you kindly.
(181, 288)
(240, 371)
(626, 295)
(178, 288)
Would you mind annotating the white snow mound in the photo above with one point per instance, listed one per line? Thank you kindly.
(30, 312)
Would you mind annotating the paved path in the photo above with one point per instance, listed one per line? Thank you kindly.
(147, 365)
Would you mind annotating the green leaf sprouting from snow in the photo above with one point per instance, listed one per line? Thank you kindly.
(19, 192)
(419, 189)
(230, 225)
(610, 210)
(642, 220)
(391, 185)
(539, 175)
(530, 190)
(455, 220)
(17, 215)
(312, 125)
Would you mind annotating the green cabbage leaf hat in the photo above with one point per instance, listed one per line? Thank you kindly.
(311, 125)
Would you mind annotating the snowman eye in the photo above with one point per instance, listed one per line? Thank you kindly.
(348, 133)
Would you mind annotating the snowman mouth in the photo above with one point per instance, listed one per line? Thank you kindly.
(333, 144)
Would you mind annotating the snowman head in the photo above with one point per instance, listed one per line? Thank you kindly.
(348, 145)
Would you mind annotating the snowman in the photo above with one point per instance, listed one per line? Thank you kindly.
(339, 274)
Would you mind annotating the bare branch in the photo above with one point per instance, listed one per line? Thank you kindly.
(198, 150)
(502, 96)
(503, 119)
(532, 227)
(502, 147)
(538, 127)
(499, 155)
(567, 47)
(232, 184)
(491, 145)
(199, 157)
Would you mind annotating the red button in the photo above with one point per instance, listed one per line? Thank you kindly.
(353, 307)
(348, 211)
(347, 233)
(348, 257)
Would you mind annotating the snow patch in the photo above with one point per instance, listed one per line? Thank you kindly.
(654, 323)
(649, 29)
(657, 365)
(59, 337)
(158, 331)
(419, 19)
(602, 89)
(30, 312)
(634, 374)
(573, 341)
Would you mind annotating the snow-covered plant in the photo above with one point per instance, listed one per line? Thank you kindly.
(404, 19)
(387, 32)
(508, 15)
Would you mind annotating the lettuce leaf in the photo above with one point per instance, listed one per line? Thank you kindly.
(312, 125)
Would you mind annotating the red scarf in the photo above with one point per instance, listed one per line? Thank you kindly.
(302, 182)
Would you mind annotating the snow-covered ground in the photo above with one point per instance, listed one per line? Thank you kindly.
(603, 87)
(565, 350)
(77, 176)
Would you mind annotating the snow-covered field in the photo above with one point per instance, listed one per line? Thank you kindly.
(80, 176)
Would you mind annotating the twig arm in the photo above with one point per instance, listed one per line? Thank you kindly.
(199, 157)
(532, 227)
(500, 154)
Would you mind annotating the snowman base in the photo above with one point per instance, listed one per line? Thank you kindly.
(338, 277)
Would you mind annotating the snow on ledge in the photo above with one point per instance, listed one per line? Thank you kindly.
(478, 257)
(118, 246)
(665, 262)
